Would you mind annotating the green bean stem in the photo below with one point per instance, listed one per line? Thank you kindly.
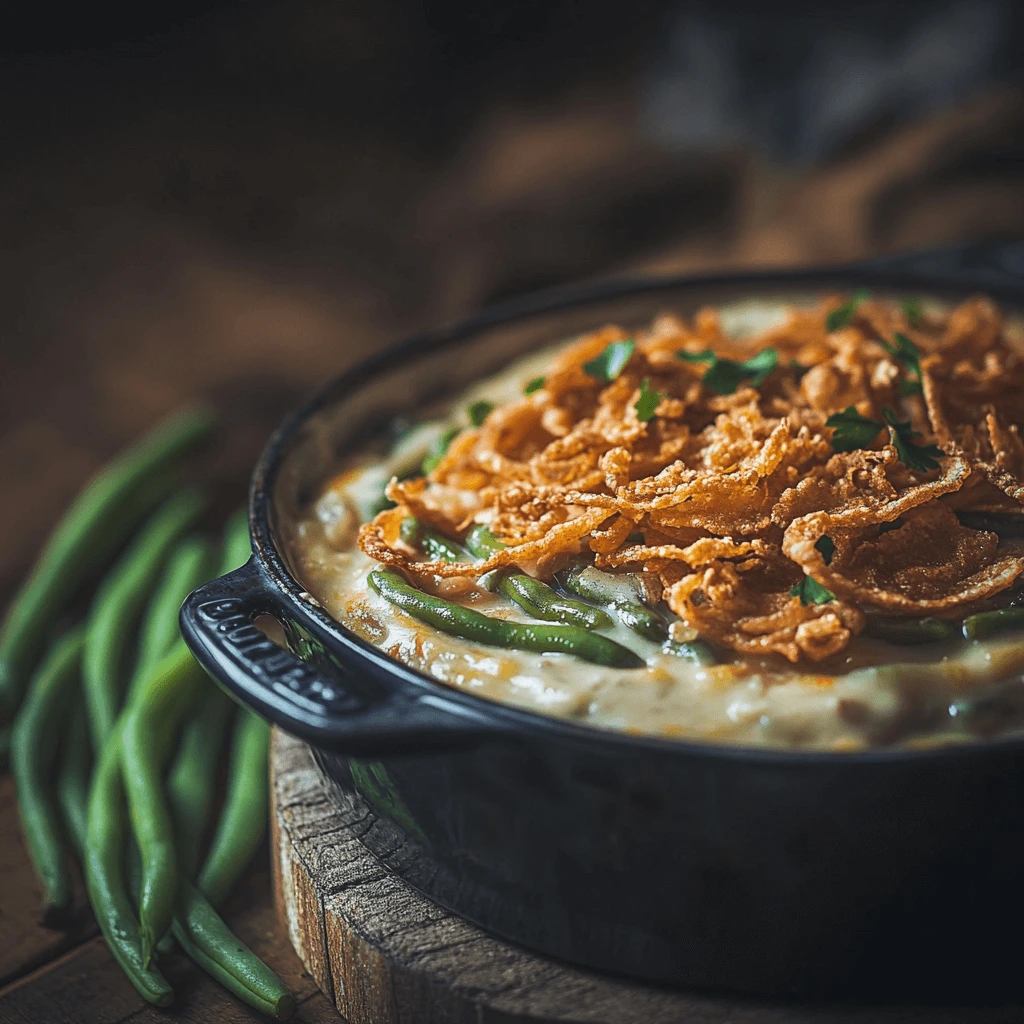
(471, 625)
(104, 875)
(910, 631)
(147, 737)
(986, 624)
(621, 594)
(33, 750)
(209, 942)
(90, 531)
(120, 601)
(533, 596)
(73, 778)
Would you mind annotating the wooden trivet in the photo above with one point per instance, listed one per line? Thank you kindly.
(385, 954)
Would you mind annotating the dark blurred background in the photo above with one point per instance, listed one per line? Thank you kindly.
(237, 200)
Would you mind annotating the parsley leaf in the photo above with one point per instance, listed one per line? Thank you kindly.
(913, 312)
(904, 351)
(842, 315)
(724, 376)
(910, 387)
(534, 385)
(647, 402)
(810, 591)
(479, 411)
(827, 547)
(611, 362)
(851, 430)
(437, 450)
(922, 457)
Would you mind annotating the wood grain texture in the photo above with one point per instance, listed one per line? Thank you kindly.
(24, 943)
(85, 986)
(385, 954)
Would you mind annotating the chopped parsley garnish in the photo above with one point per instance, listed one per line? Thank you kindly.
(437, 450)
(827, 547)
(904, 351)
(724, 376)
(798, 368)
(534, 385)
(913, 312)
(922, 457)
(842, 315)
(910, 387)
(612, 361)
(851, 430)
(635, 538)
(479, 411)
(810, 591)
(647, 402)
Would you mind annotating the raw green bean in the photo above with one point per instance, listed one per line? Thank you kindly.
(150, 728)
(105, 878)
(698, 652)
(33, 751)
(237, 547)
(910, 631)
(985, 624)
(621, 594)
(118, 604)
(192, 780)
(533, 596)
(434, 544)
(186, 568)
(209, 942)
(471, 625)
(73, 778)
(243, 818)
(109, 506)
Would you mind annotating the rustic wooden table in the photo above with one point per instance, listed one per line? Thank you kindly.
(170, 235)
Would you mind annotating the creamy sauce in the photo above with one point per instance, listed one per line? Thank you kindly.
(874, 694)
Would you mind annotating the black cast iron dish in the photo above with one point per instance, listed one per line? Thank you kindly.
(895, 873)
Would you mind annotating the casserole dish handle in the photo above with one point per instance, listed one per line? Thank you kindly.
(313, 696)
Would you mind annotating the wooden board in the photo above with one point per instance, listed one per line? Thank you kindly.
(385, 954)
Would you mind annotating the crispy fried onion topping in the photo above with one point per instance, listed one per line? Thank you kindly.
(729, 494)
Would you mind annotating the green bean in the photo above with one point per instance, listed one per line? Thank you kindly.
(150, 728)
(118, 604)
(533, 596)
(105, 879)
(986, 624)
(73, 778)
(698, 652)
(621, 594)
(434, 544)
(237, 547)
(910, 631)
(109, 506)
(107, 811)
(208, 941)
(471, 625)
(186, 568)
(243, 819)
(33, 751)
(192, 780)
(5, 746)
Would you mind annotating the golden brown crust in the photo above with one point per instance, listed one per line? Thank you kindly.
(731, 493)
